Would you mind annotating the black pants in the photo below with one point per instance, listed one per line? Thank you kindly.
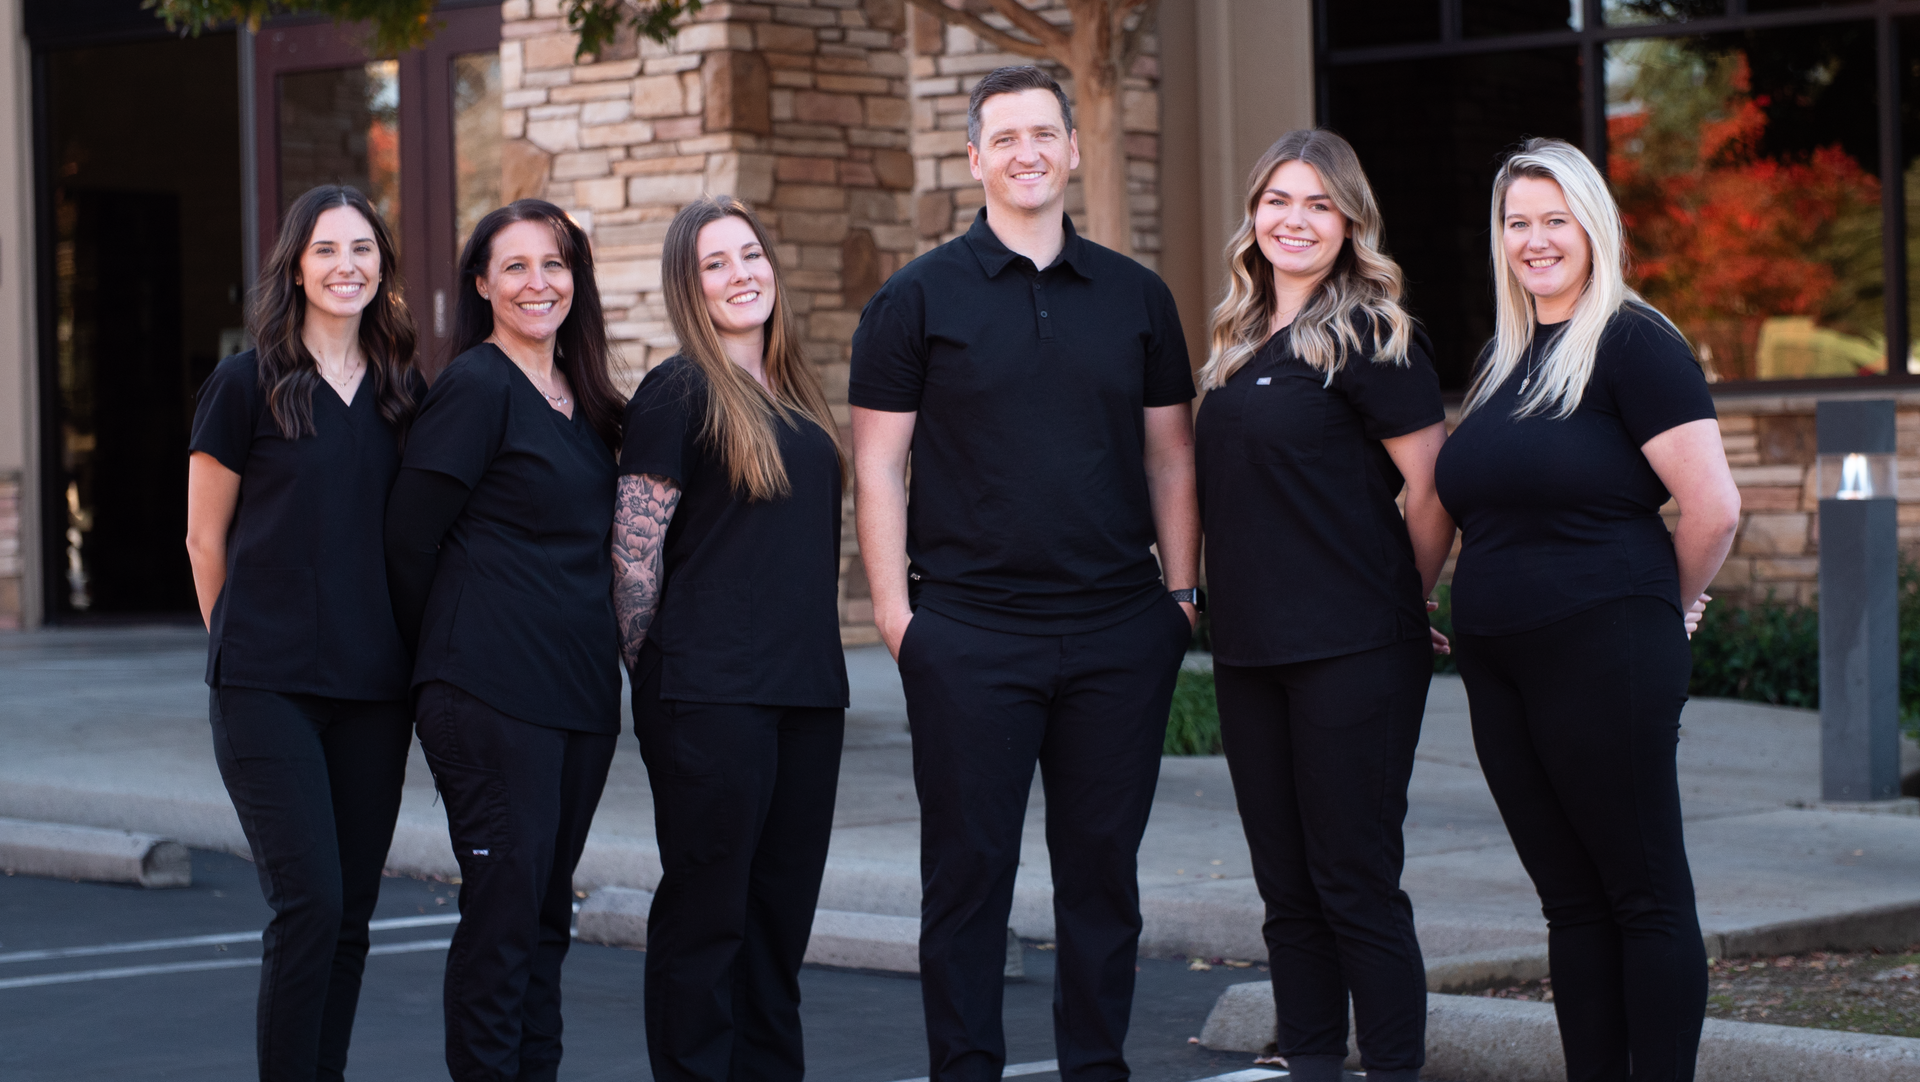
(743, 808)
(316, 783)
(1321, 753)
(1576, 724)
(519, 799)
(985, 706)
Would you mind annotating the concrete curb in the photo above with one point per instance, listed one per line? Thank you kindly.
(1479, 1039)
(60, 851)
(1487, 969)
(617, 917)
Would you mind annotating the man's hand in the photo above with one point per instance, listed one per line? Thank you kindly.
(893, 628)
(1193, 614)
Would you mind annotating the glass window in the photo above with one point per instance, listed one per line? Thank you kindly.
(1640, 12)
(1756, 7)
(1386, 22)
(476, 141)
(1746, 170)
(342, 126)
(1486, 18)
(1430, 134)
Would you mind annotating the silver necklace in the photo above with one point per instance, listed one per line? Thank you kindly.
(345, 378)
(1529, 376)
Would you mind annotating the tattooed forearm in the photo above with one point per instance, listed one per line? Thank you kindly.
(641, 512)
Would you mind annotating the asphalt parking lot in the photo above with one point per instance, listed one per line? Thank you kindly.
(109, 982)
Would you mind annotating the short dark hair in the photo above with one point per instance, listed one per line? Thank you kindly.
(1013, 80)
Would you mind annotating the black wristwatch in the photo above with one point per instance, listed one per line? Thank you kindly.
(1192, 595)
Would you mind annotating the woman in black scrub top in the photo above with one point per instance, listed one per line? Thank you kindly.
(727, 565)
(1572, 606)
(295, 445)
(497, 539)
(1322, 406)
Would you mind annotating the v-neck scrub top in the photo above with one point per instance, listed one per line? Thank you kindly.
(304, 610)
(749, 602)
(1558, 515)
(521, 611)
(1307, 554)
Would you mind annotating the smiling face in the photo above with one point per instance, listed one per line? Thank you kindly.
(1546, 248)
(528, 283)
(340, 267)
(1026, 153)
(1296, 225)
(736, 277)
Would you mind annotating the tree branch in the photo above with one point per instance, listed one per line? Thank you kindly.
(1041, 30)
(999, 38)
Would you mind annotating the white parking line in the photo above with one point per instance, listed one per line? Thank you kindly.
(1251, 1074)
(389, 925)
(1011, 1070)
(196, 967)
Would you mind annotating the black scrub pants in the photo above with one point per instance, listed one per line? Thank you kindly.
(316, 783)
(743, 809)
(1576, 724)
(1321, 752)
(1091, 710)
(519, 800)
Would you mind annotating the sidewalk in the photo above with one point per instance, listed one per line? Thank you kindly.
(109, 728)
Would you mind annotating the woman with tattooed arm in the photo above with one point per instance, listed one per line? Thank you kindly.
(726, 552)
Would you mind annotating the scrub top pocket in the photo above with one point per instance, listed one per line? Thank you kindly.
(1283, 418)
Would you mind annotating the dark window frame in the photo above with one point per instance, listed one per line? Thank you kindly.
(1591, 40)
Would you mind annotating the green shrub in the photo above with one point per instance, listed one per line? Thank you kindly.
(1768, 652)
(1193, 726)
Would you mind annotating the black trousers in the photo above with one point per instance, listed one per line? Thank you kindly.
(316, 783)
(1576, 724)
(743, 809)
(1091, 710)
(1321, 752)
(519, 800)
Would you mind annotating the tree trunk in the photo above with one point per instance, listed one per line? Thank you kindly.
(1103, 156)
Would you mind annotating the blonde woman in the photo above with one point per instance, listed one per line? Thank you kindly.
(727, 527)
(1572, 606)
(1322, 407)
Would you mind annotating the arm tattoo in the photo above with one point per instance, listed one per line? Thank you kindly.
(641, 512)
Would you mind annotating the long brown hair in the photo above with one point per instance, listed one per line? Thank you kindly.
(580, 346)
(277, 310)
(741, 413)
(1363, 288)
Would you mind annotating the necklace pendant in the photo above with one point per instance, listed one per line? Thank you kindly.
(1523, 384)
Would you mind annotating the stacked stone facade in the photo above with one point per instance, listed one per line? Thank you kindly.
(799, 107)
(948, 60)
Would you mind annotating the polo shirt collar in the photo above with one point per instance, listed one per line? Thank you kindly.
(994, 256)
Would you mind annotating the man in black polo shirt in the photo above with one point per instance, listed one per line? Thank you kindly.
(1041, 384)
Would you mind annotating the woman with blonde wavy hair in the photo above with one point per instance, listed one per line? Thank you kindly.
(1323, 406)
(728, 527)
(1572, 606)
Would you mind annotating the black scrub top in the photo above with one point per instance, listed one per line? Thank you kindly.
(1560, 515)
(521, 611)
(1307, 553)
(749, 604)
(304, 610)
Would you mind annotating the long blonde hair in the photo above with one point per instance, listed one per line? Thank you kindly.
(1561, 379)
(741, 413)
(1364, 280)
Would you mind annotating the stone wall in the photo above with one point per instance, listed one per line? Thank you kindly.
(12, 570)
(947, 61)
(799, 107)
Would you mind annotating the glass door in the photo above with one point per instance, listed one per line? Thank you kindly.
(419, 134)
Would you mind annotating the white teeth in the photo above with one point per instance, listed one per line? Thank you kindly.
(344, 289)
(537, 306)
(1028, 176)
(1542, 264)
(744, 298)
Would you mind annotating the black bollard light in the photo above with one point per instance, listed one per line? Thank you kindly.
(1859, 602)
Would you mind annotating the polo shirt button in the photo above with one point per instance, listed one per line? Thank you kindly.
(1043, 315)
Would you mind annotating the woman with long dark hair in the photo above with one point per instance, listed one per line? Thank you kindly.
(497, 548)
(295, 445)
(726, 549)
(1572, 605)
(1322, 408)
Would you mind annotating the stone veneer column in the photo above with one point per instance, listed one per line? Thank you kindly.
(798, 107)
(947, 61)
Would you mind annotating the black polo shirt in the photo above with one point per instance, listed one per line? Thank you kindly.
(1307, 553)
(750, 600)
(305, 607)
(1560, 514)
(521, 611)
(1028, 502)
